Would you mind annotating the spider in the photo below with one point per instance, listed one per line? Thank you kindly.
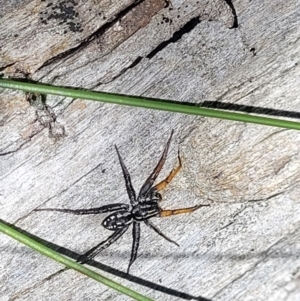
(141, 209)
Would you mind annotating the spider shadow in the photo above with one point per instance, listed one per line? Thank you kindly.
(108, 269)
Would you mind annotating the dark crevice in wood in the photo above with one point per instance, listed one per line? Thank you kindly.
(36, 285)
(64, 190)
(235, 19)
(189, 26)
(6, 66)
(267, 198)
(132, 65)
(92, 37)
(13, 151)
(20, 146)
(253, 51)
(136, 61)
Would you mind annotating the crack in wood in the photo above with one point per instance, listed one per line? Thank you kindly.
(186, 28)
(235, 18)
(264, 255)
(36, 285)
(20, 146)
(124, 70)
(90, 38)
(116, 31)
(58, 194)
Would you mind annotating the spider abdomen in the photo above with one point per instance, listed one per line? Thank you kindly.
(117, 220)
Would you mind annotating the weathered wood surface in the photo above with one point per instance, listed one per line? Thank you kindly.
(245, 246)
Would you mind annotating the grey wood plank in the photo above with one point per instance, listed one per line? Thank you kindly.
(241, 55)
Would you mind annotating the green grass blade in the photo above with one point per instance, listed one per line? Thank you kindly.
(10, 231)
(149, 103)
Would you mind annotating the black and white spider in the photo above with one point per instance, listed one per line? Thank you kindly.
(141, 209)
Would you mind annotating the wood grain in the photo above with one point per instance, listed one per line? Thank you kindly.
(59, 152)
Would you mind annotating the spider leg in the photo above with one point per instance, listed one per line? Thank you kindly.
(161, 185)
(103, 209)
(149, 182)
(165, 213)
(136, 230)
(86, 257)
(150, 225)
(129, 187)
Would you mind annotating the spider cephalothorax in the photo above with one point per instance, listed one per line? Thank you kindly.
(141, 209)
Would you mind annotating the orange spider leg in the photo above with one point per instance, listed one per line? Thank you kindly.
(161, 185)
(165, 213)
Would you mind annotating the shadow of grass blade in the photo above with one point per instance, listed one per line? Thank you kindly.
(10, 231)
